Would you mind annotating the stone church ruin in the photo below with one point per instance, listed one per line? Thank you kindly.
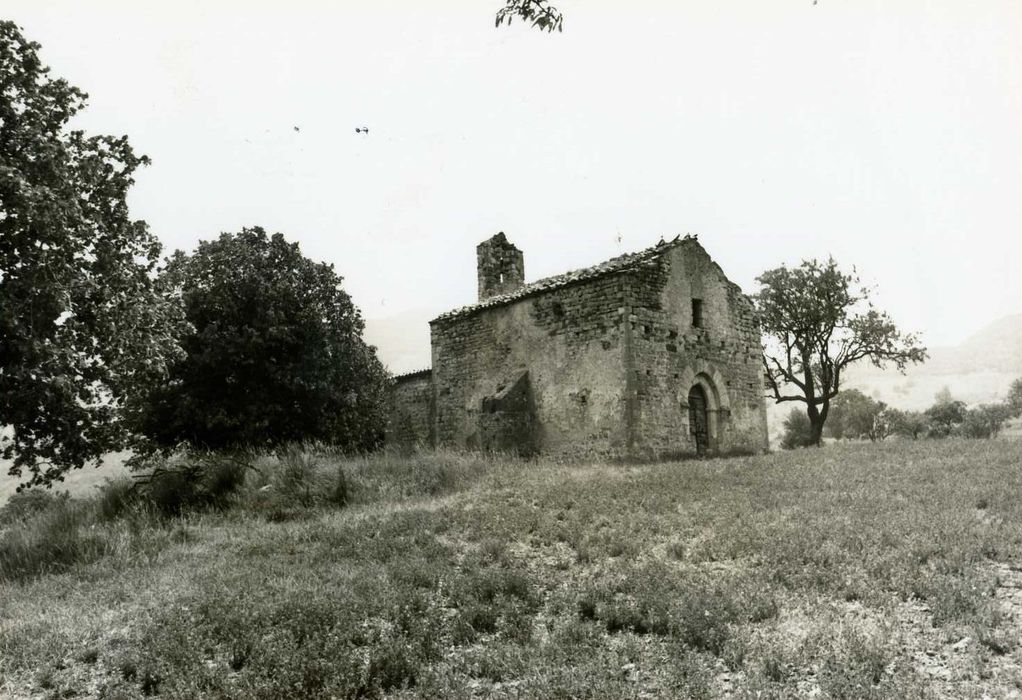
(649, 354)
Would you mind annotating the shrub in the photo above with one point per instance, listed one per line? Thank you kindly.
(797, 430)
(985, 421)
(945, 416)
(25, 504)
(857, 668)
(116, 496)
(192, 481)
(702, 620)
(301, 478)
(907, 423)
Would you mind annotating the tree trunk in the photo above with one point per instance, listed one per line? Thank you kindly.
(816, 431)
(816, 420)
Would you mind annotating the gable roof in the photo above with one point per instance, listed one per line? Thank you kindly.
(622, 263)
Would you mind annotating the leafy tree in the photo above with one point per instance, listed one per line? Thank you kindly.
(539, 13)
(797, 430)
(83, 323)
(817, 321)
(852, 414)
(907, 423)
(985, 421)
(1014, 400)
(275, 354)
(880, 424)
(946, 415)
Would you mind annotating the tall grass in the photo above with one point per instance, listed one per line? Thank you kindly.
(41, 533)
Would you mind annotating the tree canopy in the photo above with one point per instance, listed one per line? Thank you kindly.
(84, 323)
(854, 415)
(275, 353)
(817, 321)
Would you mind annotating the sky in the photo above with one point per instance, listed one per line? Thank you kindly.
(887, 133)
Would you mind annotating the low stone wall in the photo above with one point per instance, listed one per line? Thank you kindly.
(411, 410)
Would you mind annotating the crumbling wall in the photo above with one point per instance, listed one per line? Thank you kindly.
(569, 341)
(500, 266)
(507, 422)
(411, 410)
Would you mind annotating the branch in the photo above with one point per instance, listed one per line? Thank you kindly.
(539, 13)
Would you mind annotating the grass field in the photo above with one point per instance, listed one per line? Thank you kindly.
(855, 571)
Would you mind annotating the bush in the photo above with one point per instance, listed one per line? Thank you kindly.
(910, 424)
(945, 416)
(300, 480)
(797, 430)
(985, 421)
(116, 497)
(25, 504)
(192, 482)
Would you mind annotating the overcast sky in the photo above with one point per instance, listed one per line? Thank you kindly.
(885, 132)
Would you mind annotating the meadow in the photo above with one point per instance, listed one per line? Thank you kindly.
(852, 571)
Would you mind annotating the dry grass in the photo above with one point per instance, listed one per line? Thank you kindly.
(850, 572)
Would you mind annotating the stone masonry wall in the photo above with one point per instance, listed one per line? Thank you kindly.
(669, 355)
(570, 342)
(500, 266)
(411, 410)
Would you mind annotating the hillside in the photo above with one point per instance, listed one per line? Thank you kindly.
(979, 370)
(856, 571)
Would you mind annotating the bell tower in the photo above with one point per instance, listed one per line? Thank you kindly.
(501, 267)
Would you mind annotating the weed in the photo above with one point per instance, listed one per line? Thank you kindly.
(52, 540)
(116, 497)
(128, 669)
(774, 668)
(89, 656)
(149, 681)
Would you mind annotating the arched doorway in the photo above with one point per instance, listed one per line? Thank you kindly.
(698, 418)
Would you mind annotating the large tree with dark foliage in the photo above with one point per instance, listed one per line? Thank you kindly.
(83, 324)
(817, 321)
(275, 353)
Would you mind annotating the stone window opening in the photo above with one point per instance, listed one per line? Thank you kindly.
(697, 313)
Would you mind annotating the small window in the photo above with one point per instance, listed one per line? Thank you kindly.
(697, 313)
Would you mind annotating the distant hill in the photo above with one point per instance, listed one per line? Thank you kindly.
(979, 370)
(995, 348)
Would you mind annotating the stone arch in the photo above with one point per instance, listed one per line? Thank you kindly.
(718, 403)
